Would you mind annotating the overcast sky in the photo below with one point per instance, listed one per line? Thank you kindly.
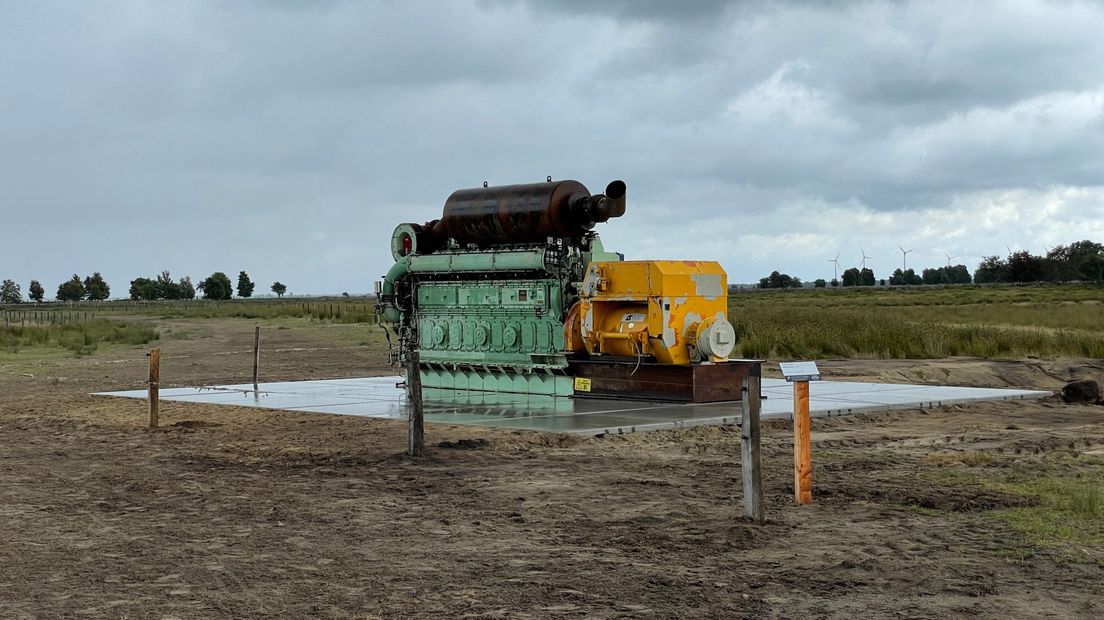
(289, 138)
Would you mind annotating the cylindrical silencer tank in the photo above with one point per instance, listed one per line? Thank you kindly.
(527, 213)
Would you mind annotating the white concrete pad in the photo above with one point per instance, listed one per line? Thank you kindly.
(381, 397)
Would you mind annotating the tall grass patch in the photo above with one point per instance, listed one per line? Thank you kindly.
(1066, 492)
(982, 322)
(80, 338)
(1069, 516)
(321, 310)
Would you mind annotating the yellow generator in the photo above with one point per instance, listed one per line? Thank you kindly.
(674, 311)
(637, 323)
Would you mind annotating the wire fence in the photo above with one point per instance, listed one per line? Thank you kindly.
(54, 313)
(38, 317)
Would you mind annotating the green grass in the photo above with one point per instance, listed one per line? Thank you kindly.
(1070, 513)
(328, 310)
(1067, 516)
(81, 338)
(324, 310)
(1053, 321)
(907, 323)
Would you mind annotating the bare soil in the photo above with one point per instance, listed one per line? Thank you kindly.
(239, 513)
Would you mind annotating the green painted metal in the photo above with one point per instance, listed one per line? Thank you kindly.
(483, 380)
(511, 323)
(487, 319)
(517, 260)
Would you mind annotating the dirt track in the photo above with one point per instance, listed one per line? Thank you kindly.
(230, 512)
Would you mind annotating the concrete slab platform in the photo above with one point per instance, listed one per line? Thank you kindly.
(380, 397)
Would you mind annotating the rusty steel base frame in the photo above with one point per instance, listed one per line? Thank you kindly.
(696, 383)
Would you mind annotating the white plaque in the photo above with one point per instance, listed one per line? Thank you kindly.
(800, 371)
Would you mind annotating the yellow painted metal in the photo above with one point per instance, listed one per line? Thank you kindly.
(656, 308)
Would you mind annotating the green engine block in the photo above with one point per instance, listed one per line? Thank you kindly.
(508, 323)
(482, 293)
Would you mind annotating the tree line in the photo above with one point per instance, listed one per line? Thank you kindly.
(1083, 260)
(1079, 261)
(216, 286)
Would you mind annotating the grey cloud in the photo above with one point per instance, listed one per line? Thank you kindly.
(634, 10)
(296, 135)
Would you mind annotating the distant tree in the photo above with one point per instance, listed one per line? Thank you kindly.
(906, 277)
(866, 277)
(1061, 264)
(144, 289)
(95, 288)
(911, 278)
(216, 286)
(835, 282)
(933, 276)
(1024, 266)
(819, 283)
(991, 269)
(71, 290)
(851, 277)
(1092, 268)
(187, 290)
(1081, 260)
(779, 280)
(245, 285)
(958, 274)
(9, 293)
(279, 288)
(36, 292)
(167, 288)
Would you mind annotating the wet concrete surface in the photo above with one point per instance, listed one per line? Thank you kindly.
(383, 397)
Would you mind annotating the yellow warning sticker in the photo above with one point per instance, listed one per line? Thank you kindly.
(582, 384)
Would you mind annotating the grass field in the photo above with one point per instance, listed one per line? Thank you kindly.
(913, 323)
(81, 328)
(316, 309)
(1065, 507)
(1045, 321)
(82, 338)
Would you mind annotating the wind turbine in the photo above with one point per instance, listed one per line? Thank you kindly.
(835, 269)
(864, 257)
(949, 257)
(904, 257)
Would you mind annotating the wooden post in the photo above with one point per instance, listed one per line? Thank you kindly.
(416, 436)
(154, 385)
(803, 445)
(256, 357)
(749, 449)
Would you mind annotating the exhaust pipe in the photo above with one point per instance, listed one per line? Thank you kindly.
(602, 207)
(615, 198)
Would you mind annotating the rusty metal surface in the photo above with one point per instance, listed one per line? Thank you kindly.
(697, 383)
(526, 213)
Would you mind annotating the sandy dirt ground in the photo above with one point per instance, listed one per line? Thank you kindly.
(240, 513)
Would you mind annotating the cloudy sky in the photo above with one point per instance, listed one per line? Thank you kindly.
(288, 138)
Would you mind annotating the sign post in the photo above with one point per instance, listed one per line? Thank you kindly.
(415, 445)
(749, 447)
(256, 358)
(800, 374)
(154, 386)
